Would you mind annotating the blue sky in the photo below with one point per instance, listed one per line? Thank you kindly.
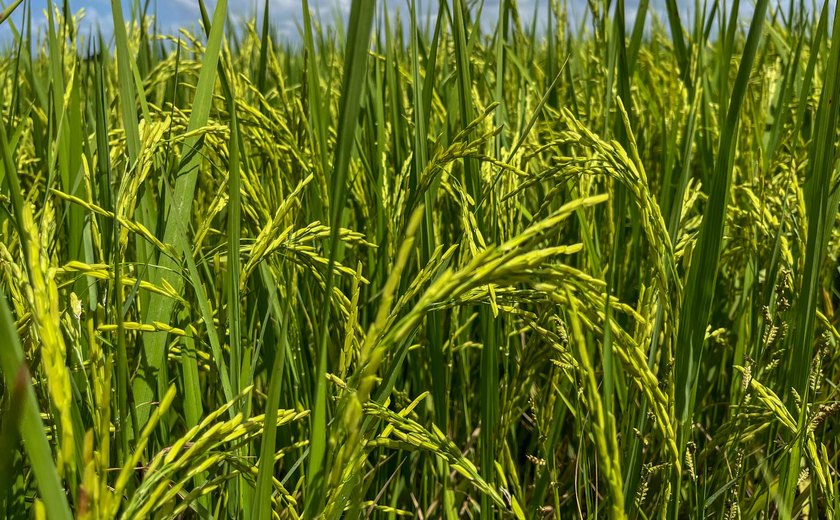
(286, 14)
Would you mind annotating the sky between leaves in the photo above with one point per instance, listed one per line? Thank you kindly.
(286, 14)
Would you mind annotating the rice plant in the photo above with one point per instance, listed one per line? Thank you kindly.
(415, 264)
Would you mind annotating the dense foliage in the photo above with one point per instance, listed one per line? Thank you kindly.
(422, 266)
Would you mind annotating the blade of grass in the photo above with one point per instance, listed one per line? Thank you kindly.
(352, 90)
(8, 11)
(125, 81)
(489, 370)
(318, 120)
(703, 271)
(265, 48)
(265, 476)
(151, 377)
(434, 329)
(239, 364)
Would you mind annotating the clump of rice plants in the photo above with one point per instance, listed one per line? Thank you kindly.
(421, 266)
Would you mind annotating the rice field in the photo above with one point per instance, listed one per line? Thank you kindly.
(421, 266)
